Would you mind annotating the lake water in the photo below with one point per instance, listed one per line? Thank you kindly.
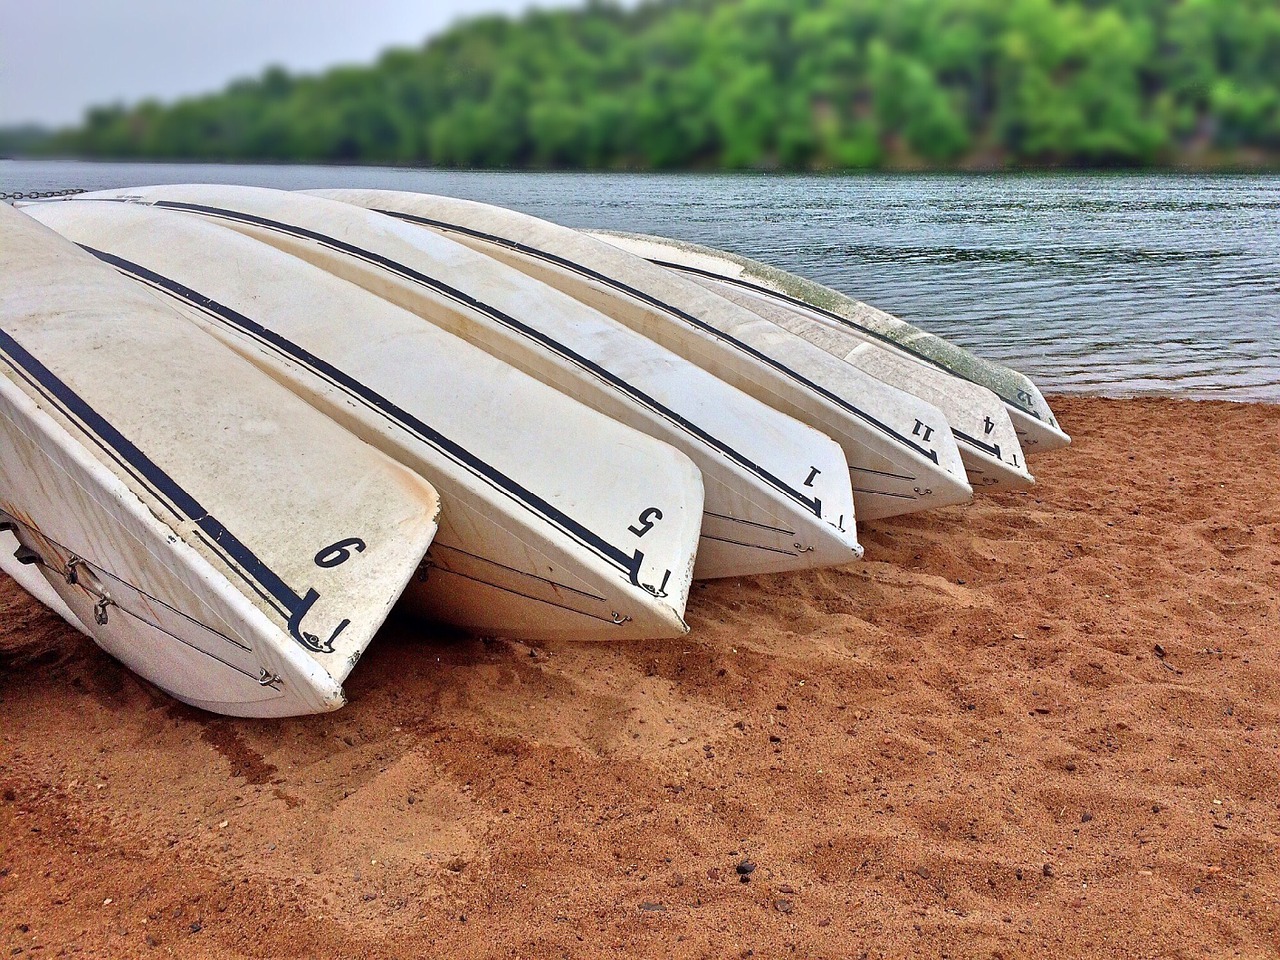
(1115, 284)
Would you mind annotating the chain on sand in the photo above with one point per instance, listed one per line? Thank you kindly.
(41, 195)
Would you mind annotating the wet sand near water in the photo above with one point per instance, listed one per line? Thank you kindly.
(1043, 724)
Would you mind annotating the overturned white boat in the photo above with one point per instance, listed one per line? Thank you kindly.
(777, 493)
(557, 522)
(204, 526)
(1036, 426)
(978, 419)
(901, 454)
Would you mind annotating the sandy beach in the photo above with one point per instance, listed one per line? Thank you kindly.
(1045, 724)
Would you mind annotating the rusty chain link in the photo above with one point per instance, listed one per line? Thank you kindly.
(41, 195)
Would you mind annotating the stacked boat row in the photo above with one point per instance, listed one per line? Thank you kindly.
(240, 424)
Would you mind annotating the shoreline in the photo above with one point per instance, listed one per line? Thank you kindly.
(1045, 722)
(1270, 167)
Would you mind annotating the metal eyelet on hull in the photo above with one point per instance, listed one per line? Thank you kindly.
(100, 609)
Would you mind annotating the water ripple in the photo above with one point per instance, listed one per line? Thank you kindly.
(1117, 284)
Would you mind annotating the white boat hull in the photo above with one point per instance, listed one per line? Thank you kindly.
(179, 502)
(777, 495)
(1037, 428)
(984, 434)
(541, 496)
(901, 456)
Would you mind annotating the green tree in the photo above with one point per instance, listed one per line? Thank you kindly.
(826, 84)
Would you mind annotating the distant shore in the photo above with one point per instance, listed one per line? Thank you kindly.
(1211, 164)
(1044, 723)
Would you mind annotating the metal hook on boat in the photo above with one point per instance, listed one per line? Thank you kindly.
(266, 678)
(661, 589)
(310, 640)
(424, 569)
(618, 618)
(71, 575)
(26, 556)
(100, 609)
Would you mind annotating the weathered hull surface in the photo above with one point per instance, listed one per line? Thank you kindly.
(984, 433)
(30, 579)
(901, 457)
(777, 493)
(207, 528)
(537, 539)
(1036, 425)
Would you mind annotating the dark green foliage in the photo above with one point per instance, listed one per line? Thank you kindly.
(802, 84)
(23, 140)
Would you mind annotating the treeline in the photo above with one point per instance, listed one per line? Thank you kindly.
(798, 84)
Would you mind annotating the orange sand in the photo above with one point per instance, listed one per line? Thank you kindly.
(966, 745)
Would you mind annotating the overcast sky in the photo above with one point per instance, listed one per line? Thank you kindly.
(59, 56)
